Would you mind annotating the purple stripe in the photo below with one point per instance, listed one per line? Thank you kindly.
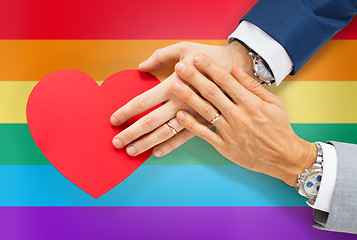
(27, 223)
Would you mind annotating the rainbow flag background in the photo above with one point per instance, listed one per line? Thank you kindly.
(193, 193)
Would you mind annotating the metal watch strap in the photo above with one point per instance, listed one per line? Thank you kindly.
(316, 167)
(244, 45)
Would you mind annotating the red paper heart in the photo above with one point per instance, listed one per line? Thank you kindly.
(68, 117)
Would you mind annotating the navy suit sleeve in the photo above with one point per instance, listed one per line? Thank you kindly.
(302, 27)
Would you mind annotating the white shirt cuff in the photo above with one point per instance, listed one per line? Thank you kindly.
(270, 50)
(327, 186)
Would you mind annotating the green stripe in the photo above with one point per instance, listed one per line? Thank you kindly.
(18, 148)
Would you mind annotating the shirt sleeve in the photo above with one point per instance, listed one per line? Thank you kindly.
(270, 50)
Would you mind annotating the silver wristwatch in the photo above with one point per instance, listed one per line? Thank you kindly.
(309, 181)
(260, 67)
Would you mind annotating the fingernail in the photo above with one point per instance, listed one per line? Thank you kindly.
(131, 150)
(157, 153)
(142, 64)
(177, 87)
(117, 143)
(180, 67)
(241, 72)
(198, 58)
(181, 116)
(114, 121)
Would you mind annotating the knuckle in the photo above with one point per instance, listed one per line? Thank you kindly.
(243, 98)
(140, 104)
(187, 45)
(128, 136)
(183, 44)
(207, 110)
(188, 96)
(251, 108)
(156, 56)
(181, 105)
(182, 48)
(203, 133)
(191, 75)
(170, 146)
(142, 146)
(191, 125)
(223, 77)
(120, 115)
(253, 84)
(165, 132)
(235, 113)
(157, 52)
(211, 90)
(207, 63)
(244, 122)
(254, 106)
(148, 123)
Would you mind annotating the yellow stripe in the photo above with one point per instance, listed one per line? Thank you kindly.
(31, 60)
(306, 102)
(13, 99)
(319, 102)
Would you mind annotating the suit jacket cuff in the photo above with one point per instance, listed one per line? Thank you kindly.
(343, 209)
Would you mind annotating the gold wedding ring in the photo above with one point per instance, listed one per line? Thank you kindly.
(215, 118)
(173, 130)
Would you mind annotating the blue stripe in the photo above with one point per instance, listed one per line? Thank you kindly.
(172, 185)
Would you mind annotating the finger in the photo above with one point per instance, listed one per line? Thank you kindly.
(162, 56)
(154, 138)
(144, 125)
(191, 124)
(140, 104)
(204, 108)
(254, 86)
(173, 143)
(221, 77)
(177, 140)
(207, 88)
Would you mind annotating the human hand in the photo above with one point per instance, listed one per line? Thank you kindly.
(253, 129)
(152, 125)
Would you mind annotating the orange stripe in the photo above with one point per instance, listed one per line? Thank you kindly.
(31, 60)
(334, 62)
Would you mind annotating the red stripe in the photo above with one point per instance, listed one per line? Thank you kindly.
(350, 32)
(119, 19)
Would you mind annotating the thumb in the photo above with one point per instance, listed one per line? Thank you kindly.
(161, 57)
(254, 86)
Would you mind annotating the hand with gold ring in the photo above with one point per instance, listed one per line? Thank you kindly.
(150, 131)
(252, 127)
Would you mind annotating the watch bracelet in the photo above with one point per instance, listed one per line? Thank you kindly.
(318, 164)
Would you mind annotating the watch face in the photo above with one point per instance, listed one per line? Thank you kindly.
(312, 184)
(263, 70)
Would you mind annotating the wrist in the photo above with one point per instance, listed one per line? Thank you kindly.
(301, 156)
(240, 56)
